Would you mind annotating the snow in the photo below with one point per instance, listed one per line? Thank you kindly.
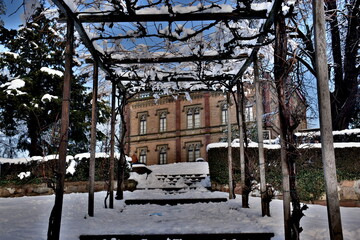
(52, 71)
(48, 97)
(262, 6)
(14, 84)
(179, 171)
(14, 55)
(87, 155)
(27, 217)
(181, 168)
(340, 132)
(23, 175)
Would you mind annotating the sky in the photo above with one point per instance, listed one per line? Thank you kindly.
(12, 18)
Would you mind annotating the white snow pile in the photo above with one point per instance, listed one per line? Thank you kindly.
(23, 175)
(14, 85)
(27, 217)
(48, 97)
(52, 71)
(274, 144)
(176, 175)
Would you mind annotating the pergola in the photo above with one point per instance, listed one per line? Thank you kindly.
(185, 45)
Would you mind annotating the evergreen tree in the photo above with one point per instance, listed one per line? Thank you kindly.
(31, 89)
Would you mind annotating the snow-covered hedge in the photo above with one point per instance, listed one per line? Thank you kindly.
(308, 164)
(43, 168)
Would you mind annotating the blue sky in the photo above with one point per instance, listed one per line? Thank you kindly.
(14, 20)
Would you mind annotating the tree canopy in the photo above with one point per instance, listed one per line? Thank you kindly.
(31, 90)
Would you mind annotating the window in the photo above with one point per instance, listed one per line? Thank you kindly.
(142, 155)
(249, 115)
(162, 124)
(193, 117)
(193, 151)
(142, 126)
(163, 155)
(224, 113)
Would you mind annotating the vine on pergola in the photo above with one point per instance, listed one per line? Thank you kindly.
(162, 45)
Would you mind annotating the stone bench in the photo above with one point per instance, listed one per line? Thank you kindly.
(195, 236)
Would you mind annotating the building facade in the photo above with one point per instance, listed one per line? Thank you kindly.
(170, 130)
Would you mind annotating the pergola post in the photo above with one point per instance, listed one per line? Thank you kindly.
(327, 143)
(112, 145)
(265, 208)
(55, 216)
(230, 164)
(93, 140)
(241, 146)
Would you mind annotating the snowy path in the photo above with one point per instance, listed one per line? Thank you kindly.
(27, 217)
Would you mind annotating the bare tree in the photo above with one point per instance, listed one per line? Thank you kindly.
(343, 21)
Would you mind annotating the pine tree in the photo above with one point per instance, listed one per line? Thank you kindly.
(36, 59)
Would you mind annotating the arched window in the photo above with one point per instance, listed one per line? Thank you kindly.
(163, 155)
(142, 124)
(193, 151)
(142, 158)
(224, 113)
(193, 117)
(249, 114)
(162, 123)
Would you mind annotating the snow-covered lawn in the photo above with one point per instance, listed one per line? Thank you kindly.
(27, 217)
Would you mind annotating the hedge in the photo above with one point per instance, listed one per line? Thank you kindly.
(310, 179)
(43, 171)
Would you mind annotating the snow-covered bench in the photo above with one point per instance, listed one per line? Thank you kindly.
(195, 236)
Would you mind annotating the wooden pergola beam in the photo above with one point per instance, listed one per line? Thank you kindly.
(121, 17)
(173, 59)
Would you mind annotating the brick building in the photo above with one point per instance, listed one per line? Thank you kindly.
(169, 130)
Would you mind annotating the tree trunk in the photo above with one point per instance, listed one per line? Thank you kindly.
(33, 129)
(55, 216)
(279, 73)
(122, 160)
(245, 186)
(287, 127)
(328, 155)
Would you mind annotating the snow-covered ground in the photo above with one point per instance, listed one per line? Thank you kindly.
(27, 217)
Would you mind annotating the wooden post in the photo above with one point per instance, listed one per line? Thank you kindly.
(265, 208)
(240, 111)
(55, 217)
(93, 140)
(112, 145)
(230, 167)
(327, 145)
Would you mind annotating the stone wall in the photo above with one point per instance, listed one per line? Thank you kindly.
(13, 190)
